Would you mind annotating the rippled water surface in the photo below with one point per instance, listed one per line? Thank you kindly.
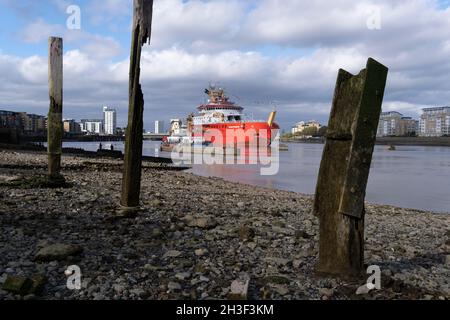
(411, 176)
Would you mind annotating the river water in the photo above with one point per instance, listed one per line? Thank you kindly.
(410, 177)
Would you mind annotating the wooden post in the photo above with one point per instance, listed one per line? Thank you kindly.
(131, 183)
(344, 170)
(54, 123)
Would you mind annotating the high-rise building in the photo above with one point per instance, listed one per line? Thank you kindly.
(109, 120)
(435, 122)
(159, 127)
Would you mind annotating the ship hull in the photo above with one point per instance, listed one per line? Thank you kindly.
(236, 133)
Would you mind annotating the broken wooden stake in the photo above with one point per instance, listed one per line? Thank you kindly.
(131, 183)
(344, 170)
(54, 122)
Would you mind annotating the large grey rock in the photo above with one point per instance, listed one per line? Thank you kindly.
(58, 252)
(239, 290)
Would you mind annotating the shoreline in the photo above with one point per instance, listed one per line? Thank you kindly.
(396, 141)
(195, 235)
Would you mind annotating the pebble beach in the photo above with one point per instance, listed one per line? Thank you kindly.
(193, 237)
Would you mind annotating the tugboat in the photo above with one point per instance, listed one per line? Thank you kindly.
(222, 118)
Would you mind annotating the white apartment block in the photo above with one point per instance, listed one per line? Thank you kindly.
(159, 127)
(92, 126)
(302, 125)
(109, 121)
(435, 122)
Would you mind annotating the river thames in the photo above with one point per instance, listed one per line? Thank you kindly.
(411, 176)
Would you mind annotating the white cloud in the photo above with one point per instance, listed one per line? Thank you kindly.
(197, 42)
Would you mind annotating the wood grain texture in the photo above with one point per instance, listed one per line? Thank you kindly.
(131, 182)
(54, 122)
(344, 170)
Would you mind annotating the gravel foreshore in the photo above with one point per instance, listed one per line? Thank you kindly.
(194, 236)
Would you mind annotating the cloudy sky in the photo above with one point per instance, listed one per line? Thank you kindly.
(263, 52)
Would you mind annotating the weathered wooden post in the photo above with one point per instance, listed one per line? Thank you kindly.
(131, 183)
(344, 171)
(54, 123)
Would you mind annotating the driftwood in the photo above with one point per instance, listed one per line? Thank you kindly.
(55, 124)
(344, 170)
(131, 183)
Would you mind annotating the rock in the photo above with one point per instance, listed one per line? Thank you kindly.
(183, 275)
(39, 282)
(126, 213)
(157, 233)
(364, 289)
(204, 222)
(447, 260)
(301, 234)
(58, 252)
(277, 261)
(326, 292)
(141, 293)
(3, 278)
(155, 203)
(201, 252)
(239, 290)
(277, 279)
(241, 204)
(174, 286)
(296, 263)
(172, 254)
(18, 285)
(119, 288)
(281, 289)
(246, 233)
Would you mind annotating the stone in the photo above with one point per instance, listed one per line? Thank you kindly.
(280, 289)
(364, 289)
(447, 260)
(174, 286)
(203, 222)
(246, 233)
(277, 279)
(277, 261)
(201, 252)
(326, 292)
(18, 285)
(39, 282)
(183, 275)
(296, 263)
(58, 252)
(239, 290)
(172, 254)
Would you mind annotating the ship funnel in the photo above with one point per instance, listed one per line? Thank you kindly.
(271, 118)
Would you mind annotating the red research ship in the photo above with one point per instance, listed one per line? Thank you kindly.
(224, 116)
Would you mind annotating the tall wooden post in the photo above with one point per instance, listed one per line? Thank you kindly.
(344, 170)
(54, 123)
(131, 183)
